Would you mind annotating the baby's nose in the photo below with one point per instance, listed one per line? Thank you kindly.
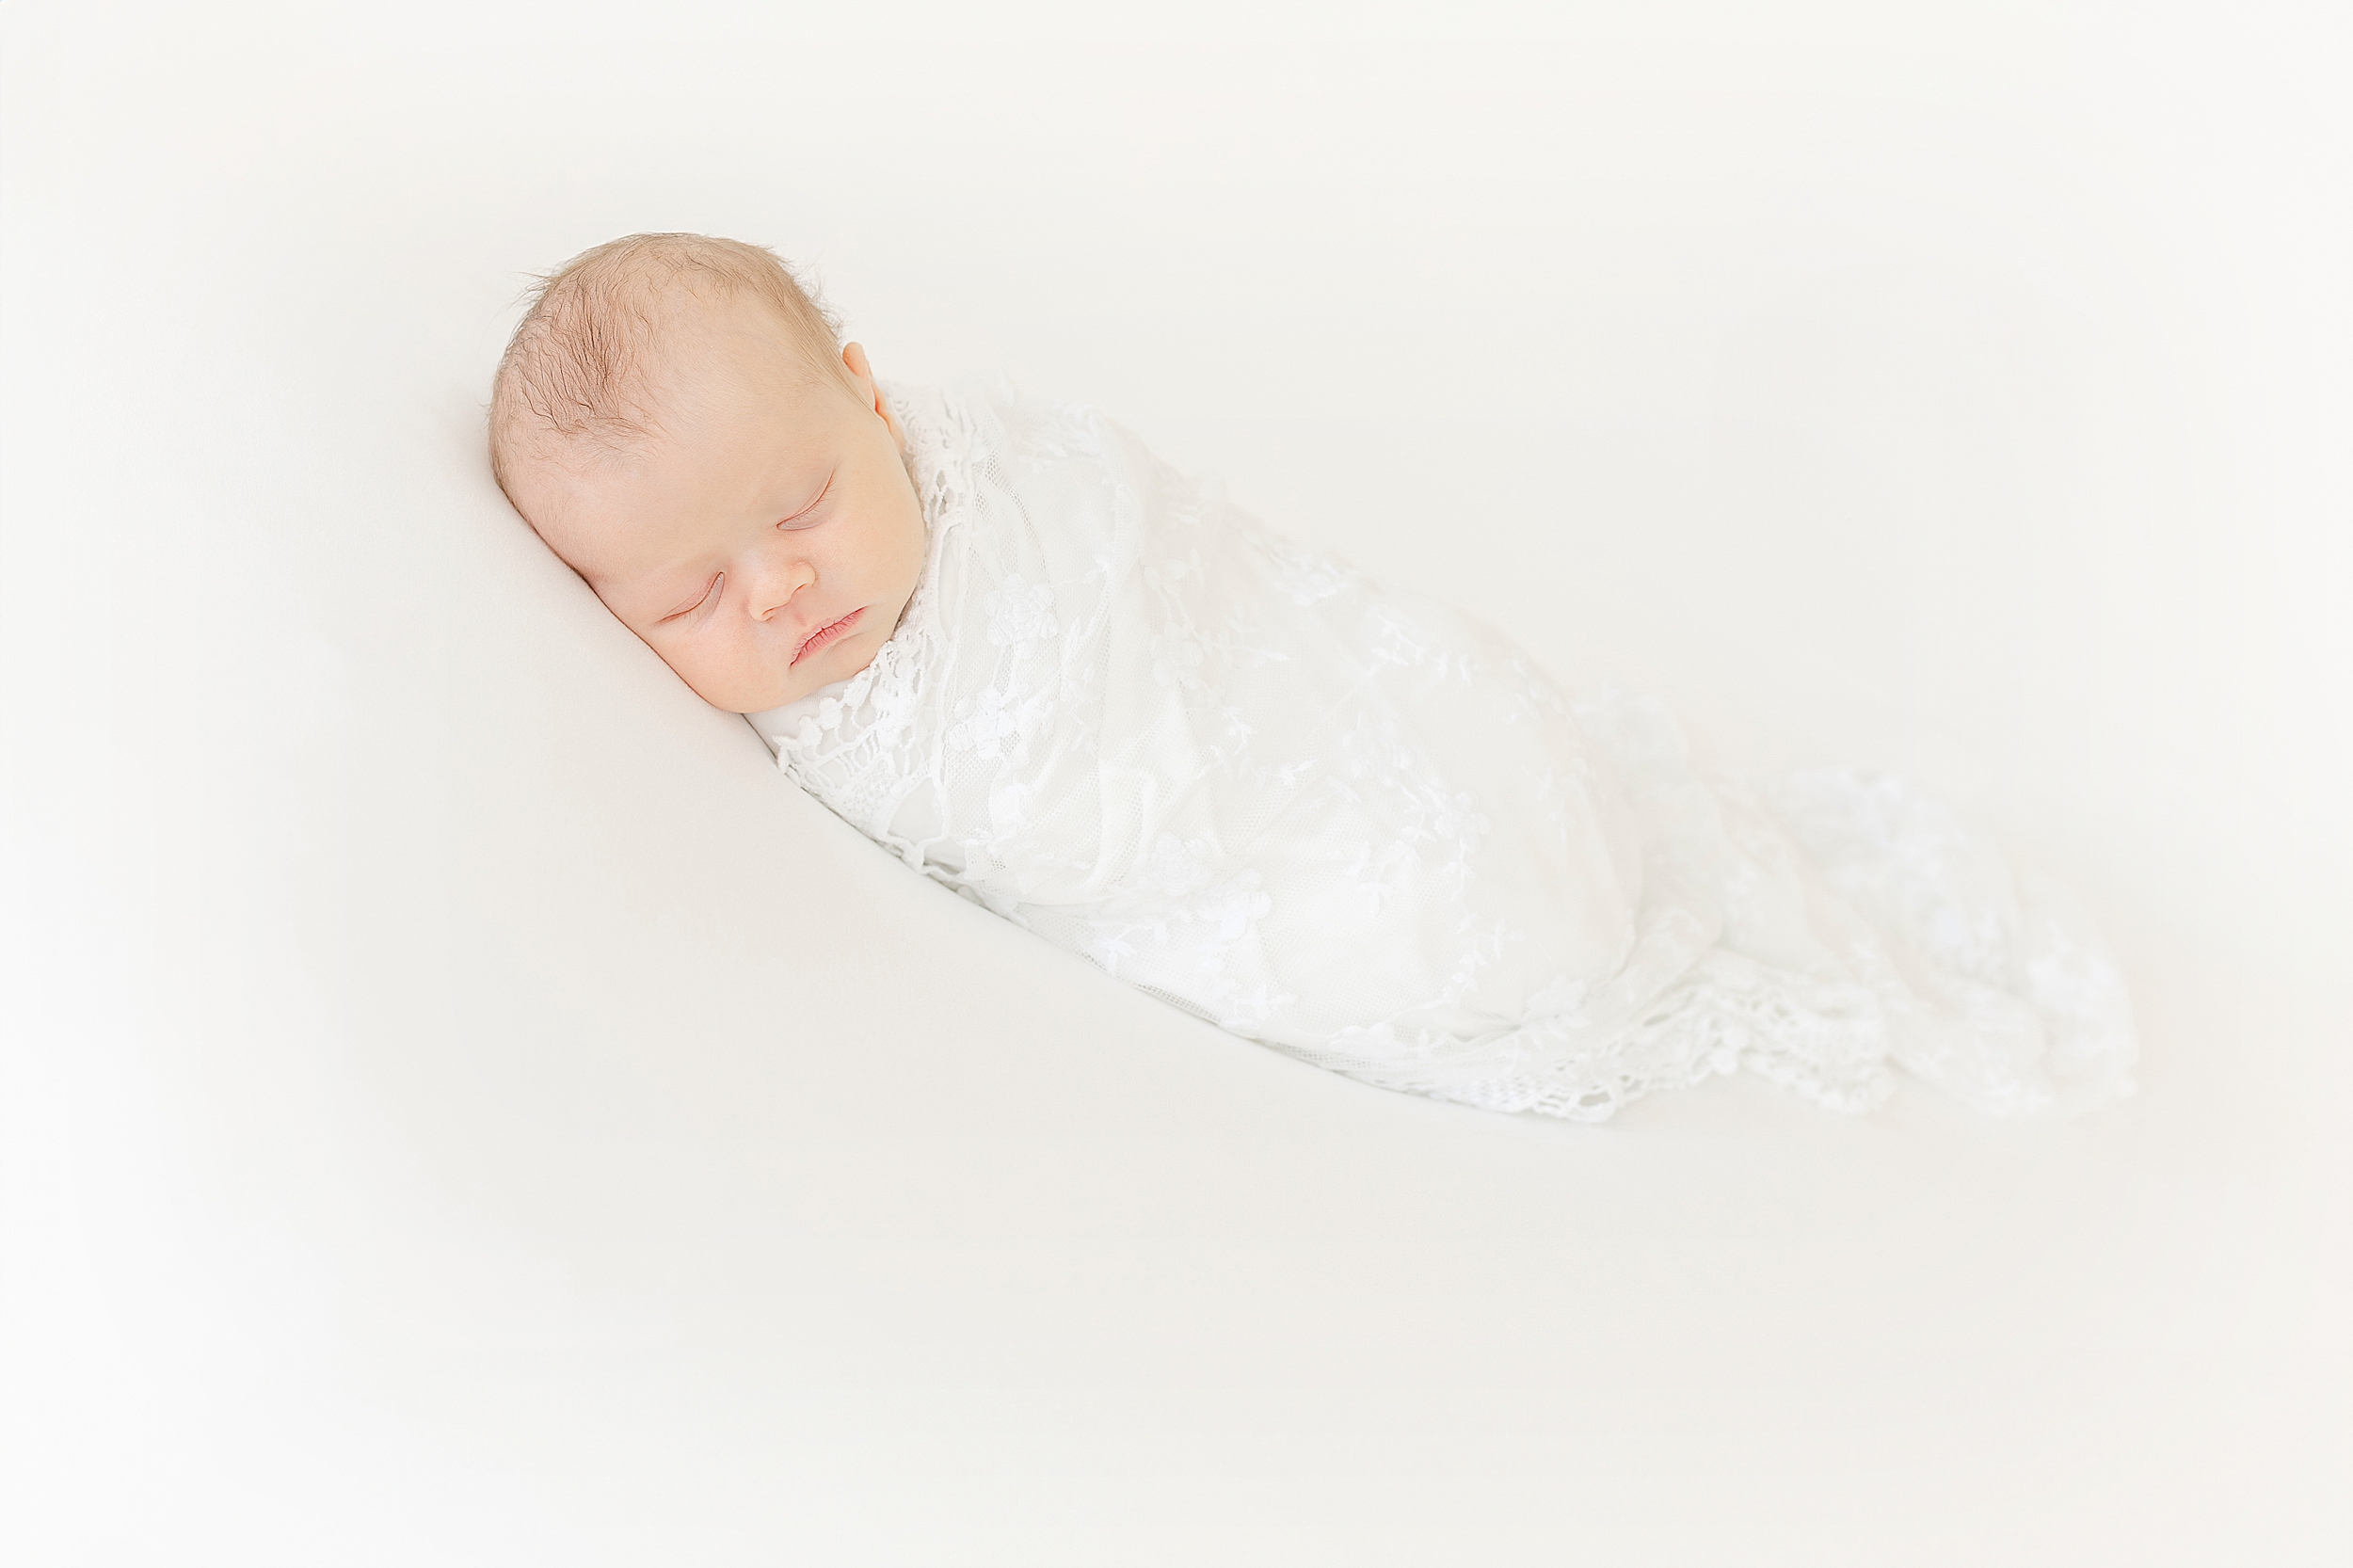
(771, 586)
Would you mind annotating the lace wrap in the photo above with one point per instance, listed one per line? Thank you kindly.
(1364, 830)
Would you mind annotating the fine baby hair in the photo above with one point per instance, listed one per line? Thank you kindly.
(582, 365)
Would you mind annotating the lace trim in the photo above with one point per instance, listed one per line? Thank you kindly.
(859, 752)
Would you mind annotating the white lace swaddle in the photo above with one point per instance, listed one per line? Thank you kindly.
(1364, 830)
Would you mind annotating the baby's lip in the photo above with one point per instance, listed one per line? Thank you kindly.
(831, 632)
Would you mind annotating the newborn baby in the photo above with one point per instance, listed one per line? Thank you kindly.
(1006, 642)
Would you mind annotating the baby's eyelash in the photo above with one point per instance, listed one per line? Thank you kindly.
(709, 594)
(794, 520)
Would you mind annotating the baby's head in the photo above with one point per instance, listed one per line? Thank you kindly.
(677, 419)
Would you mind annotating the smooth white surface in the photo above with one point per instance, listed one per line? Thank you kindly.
(445, 1117)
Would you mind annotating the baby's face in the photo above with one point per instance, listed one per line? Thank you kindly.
(766, 544)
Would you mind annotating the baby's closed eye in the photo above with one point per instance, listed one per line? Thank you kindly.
(709, 594)
(809, 515)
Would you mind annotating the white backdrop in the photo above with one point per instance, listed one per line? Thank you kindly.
(460, 1107)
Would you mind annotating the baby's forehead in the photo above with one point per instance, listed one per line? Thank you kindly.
(710, 446)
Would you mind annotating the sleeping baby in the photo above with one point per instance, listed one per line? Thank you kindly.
(1008, 644)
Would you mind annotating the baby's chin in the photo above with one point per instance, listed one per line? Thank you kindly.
(767, 690)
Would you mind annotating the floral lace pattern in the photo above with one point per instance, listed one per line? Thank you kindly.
(1364, 830)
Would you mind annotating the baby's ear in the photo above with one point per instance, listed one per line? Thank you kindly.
(854, 360)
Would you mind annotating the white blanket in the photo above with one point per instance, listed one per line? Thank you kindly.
(1364, 830)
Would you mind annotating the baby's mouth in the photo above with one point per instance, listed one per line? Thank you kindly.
(830, 632)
